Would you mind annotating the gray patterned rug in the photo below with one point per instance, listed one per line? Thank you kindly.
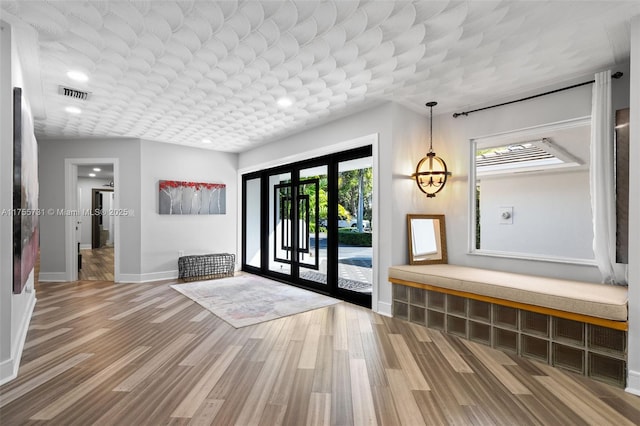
(247, 299)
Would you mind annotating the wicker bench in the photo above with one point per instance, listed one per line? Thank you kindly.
(206, 266)
(578, 326)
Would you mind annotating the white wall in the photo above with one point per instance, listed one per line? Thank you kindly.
(15, 309)
(53, 153)
(551, 214)
(633, 383)
(163, 236)
(86, 185)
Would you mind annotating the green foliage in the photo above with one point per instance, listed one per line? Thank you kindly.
(343, 213)
(310, 190)
(348, 237)
(349, 187)
(348, 196)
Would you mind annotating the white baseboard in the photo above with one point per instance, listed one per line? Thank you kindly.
(52, 277)
(384, 308)
(9, 367)
(145, 278)
(85, 246)
(633, 382)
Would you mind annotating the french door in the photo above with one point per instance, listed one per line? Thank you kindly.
(296, 219)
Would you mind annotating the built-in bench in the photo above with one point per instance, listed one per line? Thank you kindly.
(574, 325)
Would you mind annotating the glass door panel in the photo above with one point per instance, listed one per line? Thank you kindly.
(252, 223)
(280, 215)
(355, 252)
(312, 221)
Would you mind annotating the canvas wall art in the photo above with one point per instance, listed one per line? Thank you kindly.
(25, 194)
(177, 197)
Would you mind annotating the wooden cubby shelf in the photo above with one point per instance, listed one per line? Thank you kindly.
(591, 350)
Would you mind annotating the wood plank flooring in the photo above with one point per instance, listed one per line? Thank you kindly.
(123, 354)
(97, 264)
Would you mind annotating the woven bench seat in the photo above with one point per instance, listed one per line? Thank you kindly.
(594, 300)
(206, 266)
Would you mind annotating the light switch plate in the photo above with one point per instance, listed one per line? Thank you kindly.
(505, 215)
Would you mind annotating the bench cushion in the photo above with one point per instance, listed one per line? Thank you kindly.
(596, 300)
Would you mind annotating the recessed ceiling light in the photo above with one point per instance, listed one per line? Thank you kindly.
(92, 175)
(77, 76)
(73, 110)
(206, 141)
(285, 102)
(97, 169)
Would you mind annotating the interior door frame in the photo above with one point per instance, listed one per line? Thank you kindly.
(331, 287)
(71, 206)
(95, 219)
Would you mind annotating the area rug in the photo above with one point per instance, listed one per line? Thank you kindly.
(248, 299)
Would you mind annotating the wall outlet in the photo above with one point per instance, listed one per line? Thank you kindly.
(180, 253)
(506, 215)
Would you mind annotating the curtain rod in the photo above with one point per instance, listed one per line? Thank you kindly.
(465, 113)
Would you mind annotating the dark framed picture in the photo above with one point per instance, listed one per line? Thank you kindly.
(25, 194)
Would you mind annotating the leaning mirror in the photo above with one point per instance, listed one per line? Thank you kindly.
(529, 193)
(427, 239)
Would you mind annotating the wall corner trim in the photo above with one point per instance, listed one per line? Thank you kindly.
(633, 382)
(9, 367)
(52, 277)
(148, 277)
(384, 308)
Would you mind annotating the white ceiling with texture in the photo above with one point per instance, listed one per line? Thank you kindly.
(184, 71)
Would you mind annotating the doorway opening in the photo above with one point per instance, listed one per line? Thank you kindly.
(92, 226)
(310, 224)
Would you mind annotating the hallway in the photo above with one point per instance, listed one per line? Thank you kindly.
(97, 264)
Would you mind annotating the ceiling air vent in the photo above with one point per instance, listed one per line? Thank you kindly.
(73, 93)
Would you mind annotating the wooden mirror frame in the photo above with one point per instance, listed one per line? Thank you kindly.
(442, 246)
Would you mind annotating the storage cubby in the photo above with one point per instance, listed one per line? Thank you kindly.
(417, 314)
(565, 330)
(400, 310)
(435, 319)
(479, 332)
(534, 323)
(401, 293)
(417, 297)
(607, 369)
(534, 347)
(435, 300)
(587, 349)
(568, 358)
(456, 305)
(607, 339)
(505, 316)
(479, 310)
(505, 339)
(457, 325)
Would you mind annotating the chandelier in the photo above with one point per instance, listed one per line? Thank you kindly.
(431, 172)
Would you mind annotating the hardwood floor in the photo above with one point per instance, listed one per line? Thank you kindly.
(123, 354)
(97, 264)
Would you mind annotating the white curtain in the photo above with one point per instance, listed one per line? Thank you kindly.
(602, 181)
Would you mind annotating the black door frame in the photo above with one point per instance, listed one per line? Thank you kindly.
(331, 288)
